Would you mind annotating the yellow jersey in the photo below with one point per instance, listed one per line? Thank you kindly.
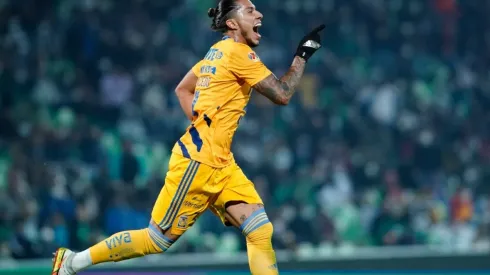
(225, 78)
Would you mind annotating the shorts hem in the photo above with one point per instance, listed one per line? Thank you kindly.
(177, 231)
(213, 165)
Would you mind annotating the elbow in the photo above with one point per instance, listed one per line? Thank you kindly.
(282, 101)
(285, 95)
(180, 91)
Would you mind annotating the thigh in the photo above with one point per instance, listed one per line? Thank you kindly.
(238, 199)
(184, 197)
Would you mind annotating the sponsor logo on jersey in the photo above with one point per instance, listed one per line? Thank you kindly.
(253, 56)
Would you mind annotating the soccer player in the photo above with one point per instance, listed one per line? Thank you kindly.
(202, 171)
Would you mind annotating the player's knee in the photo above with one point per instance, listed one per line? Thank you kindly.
(161, 242)
(257, 227)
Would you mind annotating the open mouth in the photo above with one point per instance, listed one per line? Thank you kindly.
(256, 28)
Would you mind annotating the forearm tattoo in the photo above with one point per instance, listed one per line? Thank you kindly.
(281, 90)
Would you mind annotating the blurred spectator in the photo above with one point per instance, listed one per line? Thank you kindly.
(129, 164)
(393, 225)
(462, 206)
(8, 130)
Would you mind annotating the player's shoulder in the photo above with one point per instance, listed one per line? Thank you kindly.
(239, 51)
(229, 46)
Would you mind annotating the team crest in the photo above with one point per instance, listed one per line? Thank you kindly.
(182, 222)
(253, 56)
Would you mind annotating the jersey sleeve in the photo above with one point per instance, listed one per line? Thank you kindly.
(196, 68)
(246, 65)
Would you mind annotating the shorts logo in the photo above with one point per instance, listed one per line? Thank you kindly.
(253, 56)
(195, 205)
(182, 222)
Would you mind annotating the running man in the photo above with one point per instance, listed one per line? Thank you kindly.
(202, 171)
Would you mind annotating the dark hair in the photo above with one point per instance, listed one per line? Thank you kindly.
(222, 13)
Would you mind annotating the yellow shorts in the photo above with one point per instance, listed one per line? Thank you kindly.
(191, 187)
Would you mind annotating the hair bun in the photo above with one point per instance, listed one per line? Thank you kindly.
(212, 12)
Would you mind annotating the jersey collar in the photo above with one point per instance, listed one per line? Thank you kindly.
(225, 37)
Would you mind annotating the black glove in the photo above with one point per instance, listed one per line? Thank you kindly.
(310, 43)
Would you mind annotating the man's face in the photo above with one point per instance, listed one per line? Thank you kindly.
(249, 20)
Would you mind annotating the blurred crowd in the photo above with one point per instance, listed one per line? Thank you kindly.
(387, 141)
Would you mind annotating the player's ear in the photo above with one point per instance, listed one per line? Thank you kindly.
(232, 24)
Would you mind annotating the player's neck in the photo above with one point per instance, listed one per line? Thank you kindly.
(236, 37)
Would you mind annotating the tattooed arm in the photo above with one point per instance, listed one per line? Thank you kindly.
(281, 90)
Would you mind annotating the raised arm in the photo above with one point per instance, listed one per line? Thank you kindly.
(185, 92)
(280, 91)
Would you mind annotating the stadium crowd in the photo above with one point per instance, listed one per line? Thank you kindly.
(387, 141)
